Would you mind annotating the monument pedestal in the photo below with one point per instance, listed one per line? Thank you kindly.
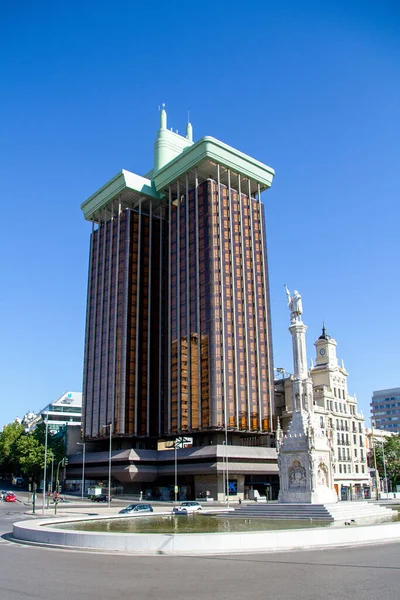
(305, 465)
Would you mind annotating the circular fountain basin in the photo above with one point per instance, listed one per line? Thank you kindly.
(154, 537)
(185, 524)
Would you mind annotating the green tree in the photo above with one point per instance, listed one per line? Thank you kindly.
(22, 453)
(391, 447)
(55, 444)
(9, 462)
(40, 433)
(31, 457)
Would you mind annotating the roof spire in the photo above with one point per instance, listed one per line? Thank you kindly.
(189, 130)
(324, 336)
(163, 117)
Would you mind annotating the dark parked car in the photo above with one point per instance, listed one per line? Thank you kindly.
(136, 508)
(100, 498)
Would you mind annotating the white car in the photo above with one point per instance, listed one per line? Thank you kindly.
(187, 507)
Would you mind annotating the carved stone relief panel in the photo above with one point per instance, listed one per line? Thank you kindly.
(322, 474)
(297, 475)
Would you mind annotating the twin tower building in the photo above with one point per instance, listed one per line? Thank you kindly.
(178, 334)
(178, 330)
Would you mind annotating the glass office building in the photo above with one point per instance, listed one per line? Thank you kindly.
(385, 409)
(66, 410)
(178, 331)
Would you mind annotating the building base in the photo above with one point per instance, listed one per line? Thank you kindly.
(322, 495)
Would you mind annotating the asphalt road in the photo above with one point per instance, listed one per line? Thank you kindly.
(30, 573)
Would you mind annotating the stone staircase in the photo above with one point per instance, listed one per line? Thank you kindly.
(360, 512)
(341, 512)
(283, 512)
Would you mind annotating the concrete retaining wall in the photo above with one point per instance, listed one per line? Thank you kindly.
(205, 543)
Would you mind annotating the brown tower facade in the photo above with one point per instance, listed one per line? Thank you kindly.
(178, 328)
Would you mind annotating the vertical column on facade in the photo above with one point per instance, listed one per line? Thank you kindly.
(124, 326)
(222, 296)
(188, 328)
(244, 293)
(107, 344)
(255, 295)
(270, 376)
(138, 318)
(160, 323)
(117, 428)
(102, 396)
(87, 405)
(178, 303)
(95, 400)
(196, 212)
(169, 366)
(149, 320)
(232, 245)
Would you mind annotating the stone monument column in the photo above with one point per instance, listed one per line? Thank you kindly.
(302, 383)
(305, 452)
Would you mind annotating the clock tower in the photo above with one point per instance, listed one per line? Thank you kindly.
(326, 350)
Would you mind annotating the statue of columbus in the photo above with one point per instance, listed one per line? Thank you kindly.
(295, 305)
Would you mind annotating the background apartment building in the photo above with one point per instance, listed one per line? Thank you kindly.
(66, 410)
(385, 409)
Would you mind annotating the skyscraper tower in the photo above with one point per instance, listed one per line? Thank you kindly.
(178, 329)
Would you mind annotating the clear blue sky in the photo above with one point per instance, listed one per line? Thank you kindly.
(310, 88)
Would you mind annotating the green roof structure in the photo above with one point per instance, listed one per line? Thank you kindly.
(176, 156)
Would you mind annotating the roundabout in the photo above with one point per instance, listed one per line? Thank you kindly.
(368, 570)
(59, 533)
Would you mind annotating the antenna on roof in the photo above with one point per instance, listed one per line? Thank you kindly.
(163, 117)
(189, 129)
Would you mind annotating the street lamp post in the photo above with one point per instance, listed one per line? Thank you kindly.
(110, 425)
(83, 466)
(63, 462)
(281, 371)
(227, 467)
(50, 483)
(176, 472)
(223, 472)
(375, 467)
(52, 472)
(384, 469)
(45, 461)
